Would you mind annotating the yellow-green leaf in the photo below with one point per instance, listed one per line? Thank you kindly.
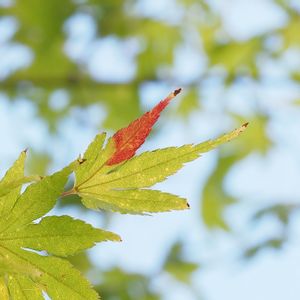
(133, 201)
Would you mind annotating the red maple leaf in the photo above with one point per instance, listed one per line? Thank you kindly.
(127, 140)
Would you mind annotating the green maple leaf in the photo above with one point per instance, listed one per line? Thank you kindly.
(14, 178)
(112, 178)
(122, 187)
(26, 273)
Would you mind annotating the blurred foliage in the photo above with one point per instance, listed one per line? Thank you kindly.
(177, 266)
(256, 139)
(237, 58)
(119, 284)
(229, 61)
(282, 213)
(188, 103)
(273, 243)
(214, 196)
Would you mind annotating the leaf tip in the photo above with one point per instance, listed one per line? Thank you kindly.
(117, 238)
(243, 128)
(177, 91)
(81, 160)
(171, 96)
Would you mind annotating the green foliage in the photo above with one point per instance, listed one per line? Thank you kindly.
(257, 132)
(12, 182)
(245, 54)
(177, 266)
(119, 188)
(120, 285)
(188, 103)
(48, 235)
(26, 274)
(132, 201)
(289, 33)
(272, 243)
(214, 197)
(201, 27)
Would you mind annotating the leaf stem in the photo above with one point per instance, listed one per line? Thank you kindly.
(68, 193)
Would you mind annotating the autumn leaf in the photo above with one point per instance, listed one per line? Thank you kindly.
(129, 139)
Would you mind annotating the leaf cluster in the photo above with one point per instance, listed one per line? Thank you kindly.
(108, 177)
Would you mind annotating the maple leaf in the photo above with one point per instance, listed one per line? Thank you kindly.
(26, 273)
(14, 179)
(108, 177)
(112, 179)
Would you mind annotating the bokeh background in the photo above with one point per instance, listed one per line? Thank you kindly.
(69, 69)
